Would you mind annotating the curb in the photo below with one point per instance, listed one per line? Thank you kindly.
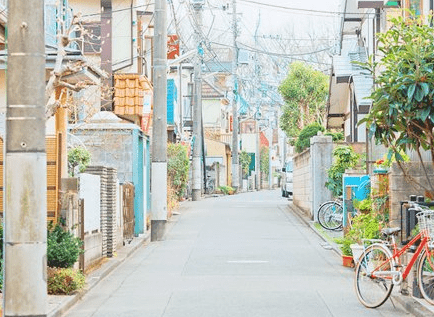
(410, 304)
(99, 274)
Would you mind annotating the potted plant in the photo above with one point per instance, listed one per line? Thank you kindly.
(364, 227)
(347, 253)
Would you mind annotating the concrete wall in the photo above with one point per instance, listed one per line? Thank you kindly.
(302, 181)
(92, 248)
(112, 149)
(401, 188)
(321, 148)
(90, 192)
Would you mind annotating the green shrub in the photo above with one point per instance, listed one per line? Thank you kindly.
(245, 160)
(336, 136)
(64, 281)
(303, 140)
(63, 248)
(177, 167)
(344, 157)
(226, 189)
(80, 157)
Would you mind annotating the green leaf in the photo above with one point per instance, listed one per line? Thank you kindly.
(425, 113)
(410, 91)
(419, 94)
(425, 88)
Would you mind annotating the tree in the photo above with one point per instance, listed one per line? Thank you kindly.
(305, 92)
(66, 32)
(303, 140)
(264, 161)
(402, 115)
(245, 160)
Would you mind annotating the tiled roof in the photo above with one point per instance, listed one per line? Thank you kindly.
(209, 91)
(129, 91)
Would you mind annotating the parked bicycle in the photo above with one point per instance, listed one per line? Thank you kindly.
(330, 214)
(210, 185)
(380, 267)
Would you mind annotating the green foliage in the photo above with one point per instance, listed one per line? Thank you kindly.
(80, 157)
(344, 157)
(64, 281)
(305, 92)
(226, 190)
(364, 226)
(336, 136)
(364, 205)
(63, 248)
(245, 160)
(177, 167)
(402, 116)
(264, 161)
(303, 141)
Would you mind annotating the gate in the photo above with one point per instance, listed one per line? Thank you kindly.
(128, 212)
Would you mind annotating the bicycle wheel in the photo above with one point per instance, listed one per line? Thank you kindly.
(425, 276)
(372, 291)
(330, 215)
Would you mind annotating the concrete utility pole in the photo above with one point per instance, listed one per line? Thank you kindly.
(197, 106)
(25, 232)
(257, 114)
(159, 125)
(235, 176)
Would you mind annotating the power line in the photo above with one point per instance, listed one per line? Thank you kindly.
(321, 12)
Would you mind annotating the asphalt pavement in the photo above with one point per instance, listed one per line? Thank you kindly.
(246, 255)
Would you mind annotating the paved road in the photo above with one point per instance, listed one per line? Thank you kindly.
(236, 256)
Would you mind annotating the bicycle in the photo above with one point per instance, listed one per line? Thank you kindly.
(210, 187)
(330, 214)
(380, 267)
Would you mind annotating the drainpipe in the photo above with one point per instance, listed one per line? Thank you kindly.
(106, 52)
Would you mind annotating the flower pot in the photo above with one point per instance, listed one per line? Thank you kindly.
(380, 170)
(347, 260)
(357, 252)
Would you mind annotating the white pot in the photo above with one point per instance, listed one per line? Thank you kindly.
(357, 252)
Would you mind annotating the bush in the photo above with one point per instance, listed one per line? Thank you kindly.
(63, 248)
(336, 136)
(226, 189)
(344, 157)
(303, 141)
(80, 157)
(64, 281)
(177, 167)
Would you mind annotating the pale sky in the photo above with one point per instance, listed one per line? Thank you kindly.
(292, 16)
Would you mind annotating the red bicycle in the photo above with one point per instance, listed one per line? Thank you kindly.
(380, 266)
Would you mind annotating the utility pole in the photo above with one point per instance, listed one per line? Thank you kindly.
(235, 177)
(197, 106)
(25, 232)
(257, 115)
(159, 125)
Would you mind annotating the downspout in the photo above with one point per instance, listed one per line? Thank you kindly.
(106, 51)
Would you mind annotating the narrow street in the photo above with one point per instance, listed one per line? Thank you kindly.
(245, 255)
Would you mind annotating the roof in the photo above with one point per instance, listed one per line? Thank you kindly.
(210, 91)
(362, 88)
(104, 120)
(129, 91)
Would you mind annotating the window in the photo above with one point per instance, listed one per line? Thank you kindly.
(415, 6)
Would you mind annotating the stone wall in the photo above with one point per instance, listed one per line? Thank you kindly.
(401, 188)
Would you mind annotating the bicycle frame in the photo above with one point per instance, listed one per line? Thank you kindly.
(397, 253)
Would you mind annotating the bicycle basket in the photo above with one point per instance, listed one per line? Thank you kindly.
(425, 219)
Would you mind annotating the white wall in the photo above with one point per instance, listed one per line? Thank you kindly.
(248, 142)
(90, 191)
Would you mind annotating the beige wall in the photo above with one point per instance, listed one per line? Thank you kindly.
(249, 142)
(302, 182)
(218, 149)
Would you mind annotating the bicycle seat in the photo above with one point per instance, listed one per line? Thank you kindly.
(390, 231)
